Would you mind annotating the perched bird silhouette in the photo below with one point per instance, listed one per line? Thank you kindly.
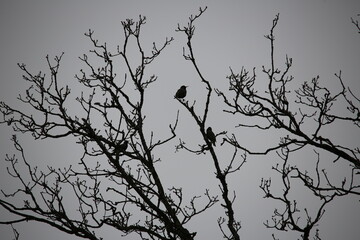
(210, 136)
(121, 147)
(181, 93)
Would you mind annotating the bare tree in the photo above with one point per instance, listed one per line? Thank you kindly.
(126, 166)
(209, 137)
(123, 189)
(290, 217)
(273, 108)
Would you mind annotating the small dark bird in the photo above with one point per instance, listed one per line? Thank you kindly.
(210, 136)
(181, 93)
(121, 147)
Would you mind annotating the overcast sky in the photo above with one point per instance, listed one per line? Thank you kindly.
(317, 34)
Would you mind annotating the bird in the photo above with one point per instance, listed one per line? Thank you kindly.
(121, 147)
(181, 92)
(210, 136)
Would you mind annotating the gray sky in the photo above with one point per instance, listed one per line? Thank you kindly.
(318, 35)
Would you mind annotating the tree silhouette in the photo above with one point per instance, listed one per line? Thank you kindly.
(124, 190)
(314, 103)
